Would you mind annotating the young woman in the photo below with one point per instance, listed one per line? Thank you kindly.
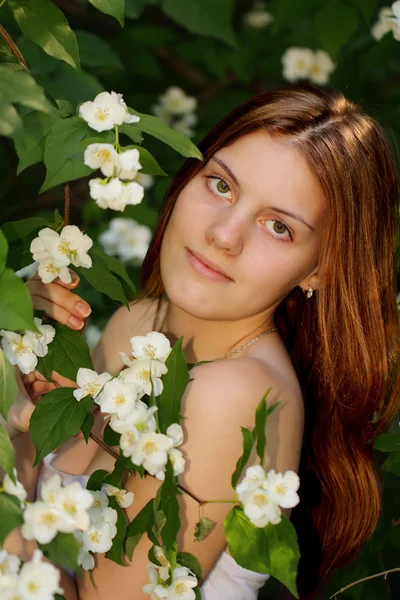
(279, 246)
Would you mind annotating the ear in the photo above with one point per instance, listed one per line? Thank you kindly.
(313, 280)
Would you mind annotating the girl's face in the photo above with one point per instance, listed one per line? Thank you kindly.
(255, 213)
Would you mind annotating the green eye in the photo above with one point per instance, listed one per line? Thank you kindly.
(222, 186)
(279, 227)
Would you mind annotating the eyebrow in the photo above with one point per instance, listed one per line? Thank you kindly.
(282, 211)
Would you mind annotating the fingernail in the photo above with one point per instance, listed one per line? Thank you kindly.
(83, 309)
(74, 276)
(75, 323)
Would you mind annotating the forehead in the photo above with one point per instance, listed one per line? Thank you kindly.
(274, 173)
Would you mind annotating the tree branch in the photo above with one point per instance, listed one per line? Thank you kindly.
(13, 47)
(385, 573)
(67, 203)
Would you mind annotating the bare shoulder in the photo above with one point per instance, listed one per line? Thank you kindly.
(221, 398)
(124, 323)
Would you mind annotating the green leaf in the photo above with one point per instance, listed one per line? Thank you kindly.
(169, 505)
(87, 426)
(131, 131)
(10, 121)
(137, 527)
(204, 17)
(100, 277)
(7, 453)
(19, 87)
(96, 52)
(3, 251)
(179, 142)
(44, 23)
(116, 551)
(272, 550)
(185, 559)
(387, 442)
(259, 431)
(62, 550)
(115, 8)
(45, 364)
(113, 264)
(248, 441)
(30, 140)
(70, 352)
(111, 437)
(203, 528)
(56, 418)
(122, 464)
(62, 141)
(335, 23)
(175, 382)
(65, 108)
(15, 230)
(8, 385)
(96, 480)
(16, 310)
(134, 8)
(11, 515)
(367, 9)
(392, 464)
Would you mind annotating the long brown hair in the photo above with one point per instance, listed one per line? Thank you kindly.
(344, 341)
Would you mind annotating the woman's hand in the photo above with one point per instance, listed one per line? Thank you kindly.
(59, 302)
(36, 384)
(20, 412)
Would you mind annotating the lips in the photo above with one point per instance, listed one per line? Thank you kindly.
(206, 267)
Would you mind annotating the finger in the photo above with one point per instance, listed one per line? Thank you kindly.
(70, 286)
(38, 376)
(61, 297)
(42, 387)
(29, 378)
(58, 313)
(61, 381)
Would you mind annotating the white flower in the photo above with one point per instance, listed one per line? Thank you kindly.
(395, 20)
(182, 586)
(145, 374)
(48, 271)
(85, 559)
(146, 180)
(282, 489)
(28, 271)
(14, 489)
(175, 432)
(176, 102)
(41, 340)
(258, 17)
(70, 246)
(72, 503)
(123, 497)
(154, 589)
(177, 460)
(255, 477)
(115, 194)
(39, 580)
(108, 516)
(9, 589)
(128, 163)
(260, 509)
(37, 247)
(163, 571)
(100, 500)
(321, 68)
(92, 334)
(97, 538)
(126, 239)
(9, 563)
(153, 345)
(106, 111)
(297, 63)
(185, 124)
(90, 383)
(49, 489)
(41, 522)
(128, 440)
(117, 397)
(141, 417)
(388, 20)
(101, 156)
(19, 351)
(132, 194)
(151, 452)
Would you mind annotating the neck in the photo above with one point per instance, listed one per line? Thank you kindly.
(206, 340)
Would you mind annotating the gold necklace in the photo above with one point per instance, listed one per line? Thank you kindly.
(233, 352)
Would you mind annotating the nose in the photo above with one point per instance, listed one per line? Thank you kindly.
(227, 233)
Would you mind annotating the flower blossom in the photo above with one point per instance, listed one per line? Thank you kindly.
(388, 20)
(90, 383)
(303, 63)
(123, 497)
(18, 349)
(106, 111)
(115, 194)
(183, 581)
(102, 529)
(117, 397)
(258, 17)
(14, 489)
(126, 239)
(41, 340)
(38, 580)
(176, 109)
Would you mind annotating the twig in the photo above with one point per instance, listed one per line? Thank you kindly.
(67, 203)
(385, 573)
(104, 446)
(13, 47)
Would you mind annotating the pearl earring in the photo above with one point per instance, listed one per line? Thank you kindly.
(309, 292)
